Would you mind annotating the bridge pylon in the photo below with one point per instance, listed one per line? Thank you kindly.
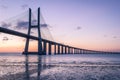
(39, 34)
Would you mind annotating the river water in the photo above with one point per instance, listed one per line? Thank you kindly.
(15, 66)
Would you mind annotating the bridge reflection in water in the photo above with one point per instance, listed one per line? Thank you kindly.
(37, 70)
(33, 69)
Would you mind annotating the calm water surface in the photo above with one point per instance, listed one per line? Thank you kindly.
(18, 57)
(15, 66)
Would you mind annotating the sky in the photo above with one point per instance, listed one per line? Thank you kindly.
(88, 24)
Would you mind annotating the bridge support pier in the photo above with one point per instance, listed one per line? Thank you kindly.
(65, 50)
(61, 49)
(72, 50)
(58, 49)
(55, 49)
(49, 48)
(68, 50)
(39, 34)
(80, 51)
(44, 48)
(75, 51)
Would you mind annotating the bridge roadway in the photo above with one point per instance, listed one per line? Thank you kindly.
(58, 47)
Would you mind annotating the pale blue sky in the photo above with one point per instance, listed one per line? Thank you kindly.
(91, 24)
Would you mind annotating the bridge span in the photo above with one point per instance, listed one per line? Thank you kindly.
(42, 43)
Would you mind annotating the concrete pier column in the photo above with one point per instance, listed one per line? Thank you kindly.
(82, 51)
(61, 49)
(78, 51)
(72, 50)
(86, 51)
(65, 50)
(58, 49)
(55, 49)
(75, 51)
(49, 50)
(68, 50)
(44, 48)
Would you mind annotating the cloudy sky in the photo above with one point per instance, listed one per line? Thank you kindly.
(89, 24)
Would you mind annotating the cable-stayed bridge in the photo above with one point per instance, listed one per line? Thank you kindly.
(59, 48)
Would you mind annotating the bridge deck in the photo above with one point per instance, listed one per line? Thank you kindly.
(79, 50)
(8, 31)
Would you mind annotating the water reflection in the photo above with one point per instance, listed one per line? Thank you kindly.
(27, 67)
(84, 66)
(36, 66)
(39, 67)
(33, 67)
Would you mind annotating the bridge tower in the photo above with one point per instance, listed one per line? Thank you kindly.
(39, 34)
